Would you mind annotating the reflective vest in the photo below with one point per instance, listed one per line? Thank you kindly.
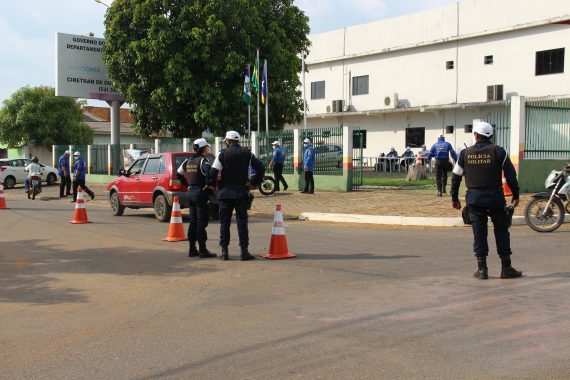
(196, 177)
(481, 166)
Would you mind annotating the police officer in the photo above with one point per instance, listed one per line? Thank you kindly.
(79, 172)
(308, 166)
(441, 150)
(482, 165)
(277, 162)
(233, 163)
(63, 169)
(196, 171)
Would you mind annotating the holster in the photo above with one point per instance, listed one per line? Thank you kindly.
(249, 200)
(509, 211)
(465, 215)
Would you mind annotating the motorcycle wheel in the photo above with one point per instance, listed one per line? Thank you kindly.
(551, 220)
(29, 193)
(267, 186)
(34, 192)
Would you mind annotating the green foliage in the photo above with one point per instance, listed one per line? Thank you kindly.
(36, 116)
(180, 64)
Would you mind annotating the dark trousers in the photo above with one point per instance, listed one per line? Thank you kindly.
(278, 172)
(441, 168)
(227, 207)
(65, 185)
(309, 183)
(478, 216)
(198, 212)
(76, 184)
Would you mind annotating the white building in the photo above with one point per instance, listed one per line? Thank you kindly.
(409, 79)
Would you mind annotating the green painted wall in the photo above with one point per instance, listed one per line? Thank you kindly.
(533, 173)
(15, 152)
(322, 182)
(100, 178)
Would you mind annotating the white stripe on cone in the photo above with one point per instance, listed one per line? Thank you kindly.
(176, 219)
(278, 227)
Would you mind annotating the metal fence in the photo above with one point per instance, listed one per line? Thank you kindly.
(265, 152)
(357, 159)
(244, 141)
(327, 143)
(547, 133)
(500, 119)
(171, 145)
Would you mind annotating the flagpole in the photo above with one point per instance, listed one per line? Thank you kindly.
(304, 93)
(249, 109)
(258, 90)
(266, 96)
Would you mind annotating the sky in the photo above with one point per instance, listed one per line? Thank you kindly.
(28, 27)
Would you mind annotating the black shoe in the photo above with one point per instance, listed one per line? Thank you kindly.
(225, 256)
(73, 201)
(285, 187)
(510, 272)
(310, 192)
(302, 191)
(92, 195)
(444, 191)
(481, 274)
(439, 194)
(245, 255)
(204, 253)
(193, 252)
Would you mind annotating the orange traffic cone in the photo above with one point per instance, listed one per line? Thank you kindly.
(80, 215)
(278, 245)
(506, 189)
(2, 198)
(176, 228)
(418, 160)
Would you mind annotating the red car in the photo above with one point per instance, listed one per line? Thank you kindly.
(151, 181)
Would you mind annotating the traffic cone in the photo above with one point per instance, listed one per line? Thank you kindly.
(278, 245)
(2, 198)
(176, 228)
(506, 189)
(80, 215)
(418, 161)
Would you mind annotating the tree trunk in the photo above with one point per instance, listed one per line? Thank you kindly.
(415, 173)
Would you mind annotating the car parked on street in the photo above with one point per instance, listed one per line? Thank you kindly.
(151, 181)
(12, 172)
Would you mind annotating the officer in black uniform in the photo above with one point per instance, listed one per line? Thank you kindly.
(234, 163)
(483, 165)
(195, 171)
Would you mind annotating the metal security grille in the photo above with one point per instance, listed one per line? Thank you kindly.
(358, 159)
(327, 143)
(171, 145)
(244, 141)
(547, 134)
(265, 152)
(500, 119)
(99, 159)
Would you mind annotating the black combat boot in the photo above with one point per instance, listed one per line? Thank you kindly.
(193, 252)
(444, 189)
(482, 271)
(507, 271)
(204, 253)
(245, 255)
(225, 255)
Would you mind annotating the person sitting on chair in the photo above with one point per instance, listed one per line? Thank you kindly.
(391, 162)
(408, 156)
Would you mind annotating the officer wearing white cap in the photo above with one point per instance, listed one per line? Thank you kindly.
(234, 163)
(65, 175)
(483, 165)
(277, 162)
(196, 170)
(79, 174)
(308, 167)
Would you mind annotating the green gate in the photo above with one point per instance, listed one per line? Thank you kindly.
(265, 152)
(547, 133)
(357, 159)
(500, 119)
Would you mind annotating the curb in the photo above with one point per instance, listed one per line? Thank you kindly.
(396, 220)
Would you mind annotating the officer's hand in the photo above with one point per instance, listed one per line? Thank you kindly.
(456, 205)
(306, 168)
(515, 202)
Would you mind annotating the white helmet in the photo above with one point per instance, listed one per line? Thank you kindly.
(483, 129)
(201, 143)
(275, 143)
(232, 135)
(76, 154)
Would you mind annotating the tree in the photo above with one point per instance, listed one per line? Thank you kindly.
(180, 64)
(35, 116)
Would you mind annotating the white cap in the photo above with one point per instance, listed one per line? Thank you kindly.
(484, 129)
(275, 143)
(67, 152)
(201, 143)
(307, 141)
(77, 154)
(232, 135)
(408, 148)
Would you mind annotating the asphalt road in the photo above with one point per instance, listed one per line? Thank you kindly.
(110, 300)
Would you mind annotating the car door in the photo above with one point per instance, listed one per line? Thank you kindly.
(129, 186)
(19, 171)
(149, 179)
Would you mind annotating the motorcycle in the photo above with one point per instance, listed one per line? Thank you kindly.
(545, 212)
(35, 182)
(267, 186)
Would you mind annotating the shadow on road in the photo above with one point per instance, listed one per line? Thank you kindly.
(352, 256)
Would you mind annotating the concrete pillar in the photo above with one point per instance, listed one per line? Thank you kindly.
(518, 126)
(186, 144)
(89, 166)
(347, 156)
(217, 144)
(297, 151)
(53, 157)
(254, 143)
(156, 145)
(109, 159)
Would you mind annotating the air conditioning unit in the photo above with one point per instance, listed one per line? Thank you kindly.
(495, 92)
(337, 105)
(391, 101)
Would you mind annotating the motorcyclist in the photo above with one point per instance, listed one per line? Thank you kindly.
(33, 169)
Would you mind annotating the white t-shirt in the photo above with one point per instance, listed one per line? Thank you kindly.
(34, 169)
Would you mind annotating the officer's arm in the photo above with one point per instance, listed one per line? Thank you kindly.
(511, 175)
(206, 167)
(457, 177)
(214, 170)
(259, 170)
(453, 154)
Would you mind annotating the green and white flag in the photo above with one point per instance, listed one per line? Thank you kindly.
(246, 87)
(255, 76)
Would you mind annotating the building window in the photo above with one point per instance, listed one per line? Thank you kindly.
(318, 90)
(488, 60)
(358, 137)
(360, 85)
(550, 62)
(468, 128)
(495, 92)
(415, 137)
(449, 65)
(449, 129)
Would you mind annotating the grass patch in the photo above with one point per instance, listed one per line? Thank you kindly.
(399, 182)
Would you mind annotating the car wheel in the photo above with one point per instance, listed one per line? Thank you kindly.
(116, 206)
(9, 182)
(51, 178)
(162, 208)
